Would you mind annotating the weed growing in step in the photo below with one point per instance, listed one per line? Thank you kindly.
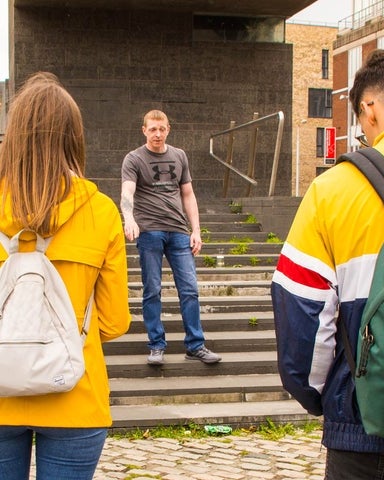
(268, 430)
(235, 207)
(240, 240)
(209, 261)
(240, 249)
(251, 219)
(253, 321)
(273, 238)
(254, 261)
(205, 234)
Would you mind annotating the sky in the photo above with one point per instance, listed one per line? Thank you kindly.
(325, 11)
(322, 11)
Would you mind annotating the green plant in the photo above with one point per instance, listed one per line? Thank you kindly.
(273, 431)
(205, 234)
(310, 427)
(209, 261)
(273, 238)
(240, 249)
(268, 430)
(133, 476)
(235, 207)
(254, 261)
(253, 321)
(240, 240)
(250, 219)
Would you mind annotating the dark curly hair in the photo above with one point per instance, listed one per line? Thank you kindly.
(369, 76)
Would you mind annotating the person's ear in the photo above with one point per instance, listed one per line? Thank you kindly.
(371, 115)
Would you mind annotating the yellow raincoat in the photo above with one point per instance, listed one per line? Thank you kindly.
(89, 252)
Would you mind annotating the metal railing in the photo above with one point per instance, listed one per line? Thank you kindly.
(360, 18)
(249, 176)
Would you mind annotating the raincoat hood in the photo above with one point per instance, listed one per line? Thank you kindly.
(80, 192)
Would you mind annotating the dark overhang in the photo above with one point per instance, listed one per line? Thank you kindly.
(275, 8)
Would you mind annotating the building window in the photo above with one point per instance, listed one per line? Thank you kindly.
(320, 103)
(320, 142)
(214, 28)
(324, 64)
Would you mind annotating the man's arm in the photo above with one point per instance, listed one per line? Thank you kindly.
(192, 211)
(131, 228)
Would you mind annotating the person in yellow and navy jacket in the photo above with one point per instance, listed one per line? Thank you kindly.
(42, 188)
(327, 264)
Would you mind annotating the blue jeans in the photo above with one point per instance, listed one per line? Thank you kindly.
(175, 246)
(61, 453)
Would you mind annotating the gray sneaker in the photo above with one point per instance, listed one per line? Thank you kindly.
(156, 357)
(203, 354)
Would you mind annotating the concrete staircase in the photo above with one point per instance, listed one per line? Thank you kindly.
(244, 389)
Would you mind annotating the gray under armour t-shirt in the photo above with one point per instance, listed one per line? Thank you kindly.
(158, 176)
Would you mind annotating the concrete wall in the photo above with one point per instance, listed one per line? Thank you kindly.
(120, 64)
(275, 214)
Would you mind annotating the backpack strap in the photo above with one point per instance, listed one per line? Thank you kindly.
(87, 318)
(11, 245)
(5, 241)
(347, 346)
(371, 163)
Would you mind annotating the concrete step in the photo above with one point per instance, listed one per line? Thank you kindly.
(238, 225)
(213, 304)
(245, 260)
(236, 314)
(233, 233)
(234, 321)
(239, 414)
(211, 288)
(216, 273)
(221, 341)
(227, 248)
(193, 389)
(175, 365)
(225, 217)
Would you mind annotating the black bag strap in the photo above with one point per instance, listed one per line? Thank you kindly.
(371, 163)
(347, 346)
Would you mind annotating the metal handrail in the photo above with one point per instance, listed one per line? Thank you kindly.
(276, 156)
(358, 19)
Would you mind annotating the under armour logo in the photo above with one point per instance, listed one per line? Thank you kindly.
(159, 172)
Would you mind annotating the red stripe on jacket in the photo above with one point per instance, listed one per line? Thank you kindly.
(301, 275)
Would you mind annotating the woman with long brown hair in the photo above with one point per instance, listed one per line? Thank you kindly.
(42, 188)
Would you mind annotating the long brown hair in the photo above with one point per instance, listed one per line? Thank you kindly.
(43, 148)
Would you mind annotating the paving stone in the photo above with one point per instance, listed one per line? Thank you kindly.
(204, 459)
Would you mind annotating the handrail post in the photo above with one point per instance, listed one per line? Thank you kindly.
(229, 158)
(252, 155)
(229, 165)
(277, 154)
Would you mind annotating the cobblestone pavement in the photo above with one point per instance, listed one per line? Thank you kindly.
(248, 457)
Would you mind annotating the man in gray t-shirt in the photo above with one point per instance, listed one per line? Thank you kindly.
(158, 204)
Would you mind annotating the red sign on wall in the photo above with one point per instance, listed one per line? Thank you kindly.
(330, 146)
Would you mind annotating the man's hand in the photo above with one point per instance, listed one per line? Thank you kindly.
(195, 242)
(131, 230)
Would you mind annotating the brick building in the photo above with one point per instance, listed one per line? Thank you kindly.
(312, 96)
(357, 36)
(203, 63)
